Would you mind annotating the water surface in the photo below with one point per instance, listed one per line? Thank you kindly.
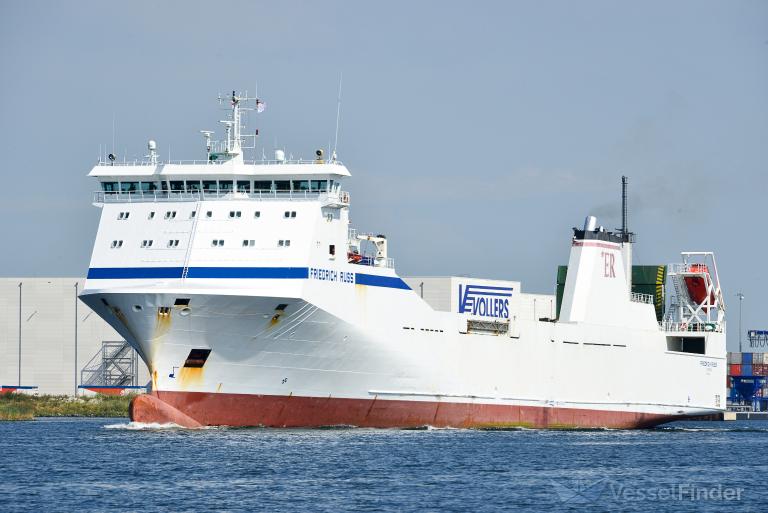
(112, 465)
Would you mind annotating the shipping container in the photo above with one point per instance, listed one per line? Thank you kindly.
(760, 369)
(746, 369)
(765, 358)
(734, 357)
(757, 358)
(734, 369)
(746, 357)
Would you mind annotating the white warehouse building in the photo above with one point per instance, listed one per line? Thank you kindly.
(64, 346)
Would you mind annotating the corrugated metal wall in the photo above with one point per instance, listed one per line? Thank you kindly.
(48, 334)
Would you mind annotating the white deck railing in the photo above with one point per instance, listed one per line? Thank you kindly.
(339, 198)
(637, 297)
(691, 327)
(144, 162)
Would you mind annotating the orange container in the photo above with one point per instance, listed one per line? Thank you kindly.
(734, 369)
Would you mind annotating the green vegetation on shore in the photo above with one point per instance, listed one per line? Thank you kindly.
(27, 407)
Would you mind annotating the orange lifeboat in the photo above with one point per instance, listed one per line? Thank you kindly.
(697, 286)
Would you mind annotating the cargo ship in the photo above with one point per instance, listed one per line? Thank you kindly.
(254, 302)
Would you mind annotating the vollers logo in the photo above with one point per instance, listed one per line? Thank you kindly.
(485, 300)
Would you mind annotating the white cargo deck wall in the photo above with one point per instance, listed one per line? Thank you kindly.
(48, 334)
(437, 294)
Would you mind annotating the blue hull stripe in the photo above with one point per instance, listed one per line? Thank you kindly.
(280, 273)
(124, 273)
(392, 282)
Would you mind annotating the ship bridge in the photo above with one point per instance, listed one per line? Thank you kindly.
(226, 212)
(201, 180)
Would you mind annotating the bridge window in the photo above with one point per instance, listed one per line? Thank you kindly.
(282, 185)
(225, 186)
(319, 185)
(177, 185)
(210, 186)
(243, 186)
(193, 186)
(109, 186)
(249, 243)
(262, 185)
(129, 187)
(148, 186)
(301, 185)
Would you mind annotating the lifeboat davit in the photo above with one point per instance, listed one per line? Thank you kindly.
(697, 286)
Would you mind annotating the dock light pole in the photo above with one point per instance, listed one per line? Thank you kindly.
(20, 334)
(741, 300)
(76, 284)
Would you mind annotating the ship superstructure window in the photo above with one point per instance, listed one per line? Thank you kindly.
(116, 244)
(235, 213)
(301, 185)
(173, 243)
(319, 185)
(210, 186)
(249, 243)
(289, 214)
(151, 215)
(282, 185)
(262, 185)
(283, 243)
(109, 186)
(129, 187)
(177, 185)
(148, 186)
(209, 214)
(123, 216)
(146, 243)
(171, 214)
(332, 249)
(193, 186)
(257, 214)
(192, 214)
(225, 186)
(217, 243)
(243, 186)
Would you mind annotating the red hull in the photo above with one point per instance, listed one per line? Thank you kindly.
(194, 409)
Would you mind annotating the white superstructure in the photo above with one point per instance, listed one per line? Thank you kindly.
(253, 302)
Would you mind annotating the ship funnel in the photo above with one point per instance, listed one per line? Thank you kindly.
(590, 224)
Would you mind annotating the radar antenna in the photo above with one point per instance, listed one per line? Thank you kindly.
(231, 148)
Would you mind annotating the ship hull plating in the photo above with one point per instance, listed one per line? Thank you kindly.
(280, 361)
(195, 409)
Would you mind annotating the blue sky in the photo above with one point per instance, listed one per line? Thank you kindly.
(477, 133)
